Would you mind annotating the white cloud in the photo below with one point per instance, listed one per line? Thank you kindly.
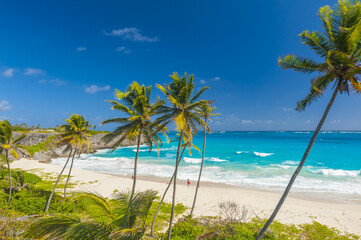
(132, 34)
(9, 72)
(308, 121)
(33, 71)
(94, 88)
(246, 121)
(286, 109)
(122, 49)
(202, 81)
(81, 49)
(5, 105)
(57, 82)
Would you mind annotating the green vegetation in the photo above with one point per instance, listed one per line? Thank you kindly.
(124, 215)
(216, 229)
(92, 216)
(338, 46)
(48, 144)
(206, 112)
(135, 103)
(182, 110)
(9, 146)
(74, 135)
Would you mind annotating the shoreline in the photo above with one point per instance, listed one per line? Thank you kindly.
(299, 207)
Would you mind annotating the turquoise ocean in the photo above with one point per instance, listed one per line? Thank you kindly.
(256, 159)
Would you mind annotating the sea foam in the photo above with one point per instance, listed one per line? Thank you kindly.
(261, 154)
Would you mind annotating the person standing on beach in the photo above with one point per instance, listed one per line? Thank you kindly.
(188, 182)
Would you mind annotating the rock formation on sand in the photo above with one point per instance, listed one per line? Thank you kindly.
(35, 138)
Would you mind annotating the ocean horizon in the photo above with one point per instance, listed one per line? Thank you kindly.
(263, 160)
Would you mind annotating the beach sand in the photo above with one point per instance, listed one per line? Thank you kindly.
(344, 215)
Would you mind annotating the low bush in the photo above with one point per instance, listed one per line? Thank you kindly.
(218, 229)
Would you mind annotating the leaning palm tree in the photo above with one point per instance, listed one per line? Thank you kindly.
(182, 110)
(135, 103)
(339, 45)
(205, 111)
(187, 142)
(74, 135)
(10, 146)
(120, 218)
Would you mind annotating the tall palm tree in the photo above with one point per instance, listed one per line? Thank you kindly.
(74, 135)
(135, 103)
(205, 111)
(182, 110)
(120, 218)
(187, 142)
(10, 146)
(339, 45)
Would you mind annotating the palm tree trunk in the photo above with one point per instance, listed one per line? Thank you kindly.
(56, 183)
(136, 164)
(294, 176)
(165, 193)
(174, 186)
(71, 167)
(200, 171)
(10, 180)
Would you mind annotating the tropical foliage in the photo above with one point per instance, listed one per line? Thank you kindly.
(74, 136)
(212, 228)
(206, 112)
(9, 145)
(136, 105)
(339, 48)
(181, 108)
(120, 218)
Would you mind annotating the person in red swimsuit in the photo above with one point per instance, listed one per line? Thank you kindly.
(188, 182)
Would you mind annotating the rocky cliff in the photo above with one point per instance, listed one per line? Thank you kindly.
(54, 151)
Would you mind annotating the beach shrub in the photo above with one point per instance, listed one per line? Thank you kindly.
(33, 202)
(164, 214)
(49, 143)
(203, 228)
(12, 224)
(100, 218)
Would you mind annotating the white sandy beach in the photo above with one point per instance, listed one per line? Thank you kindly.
(346, 216)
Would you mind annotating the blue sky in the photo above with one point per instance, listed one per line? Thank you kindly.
(64, 57)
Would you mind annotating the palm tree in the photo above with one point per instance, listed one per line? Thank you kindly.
(74, 135)
(9, 145)
(187, 142)
(182, 110)
(340, 47)
(120, 218)
(205, 111)
(135, 103)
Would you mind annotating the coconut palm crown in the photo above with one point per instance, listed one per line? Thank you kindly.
(182, 110)
(135, 103)
(339, 48)
(182, 104)
(75, 133)
(137, 124)
(10, 146)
